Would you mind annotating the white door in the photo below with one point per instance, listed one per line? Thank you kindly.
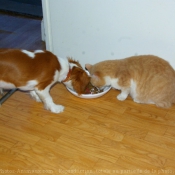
(95, 30)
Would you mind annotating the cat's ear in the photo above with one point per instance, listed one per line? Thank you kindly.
(88, 66)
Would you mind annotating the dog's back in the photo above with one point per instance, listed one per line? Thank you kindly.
(22, 68)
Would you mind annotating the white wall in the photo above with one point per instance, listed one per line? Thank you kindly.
(95, 30)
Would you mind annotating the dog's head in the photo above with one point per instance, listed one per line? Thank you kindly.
(77, 78)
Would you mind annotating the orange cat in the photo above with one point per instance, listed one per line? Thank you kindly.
(146, 78)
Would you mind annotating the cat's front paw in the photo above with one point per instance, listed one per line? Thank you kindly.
(121, 97)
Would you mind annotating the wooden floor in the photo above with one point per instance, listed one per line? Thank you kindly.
(92, 136)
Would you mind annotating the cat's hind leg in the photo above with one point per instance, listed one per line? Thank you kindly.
(163, 104)
(163, 100)
(142, 102)
(137, 101)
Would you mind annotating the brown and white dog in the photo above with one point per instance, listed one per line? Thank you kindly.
(37, 71)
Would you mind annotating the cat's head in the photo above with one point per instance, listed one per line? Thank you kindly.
(97, 78)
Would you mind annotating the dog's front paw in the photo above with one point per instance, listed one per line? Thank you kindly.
(35, 96)
(56, 108)
(1, 91)
(121, 97)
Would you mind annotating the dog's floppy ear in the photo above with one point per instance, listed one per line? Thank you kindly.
(80, 80)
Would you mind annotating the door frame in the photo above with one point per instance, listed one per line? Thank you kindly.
(47, 26)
